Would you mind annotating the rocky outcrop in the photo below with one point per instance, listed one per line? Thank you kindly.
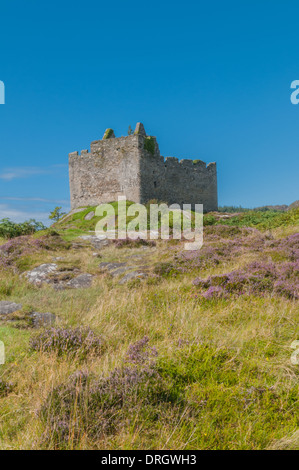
(9, 307)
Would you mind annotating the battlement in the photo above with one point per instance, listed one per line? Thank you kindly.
(132, 166)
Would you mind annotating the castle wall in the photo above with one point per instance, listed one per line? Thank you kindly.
(128, 166)
(178, 182)
(109, 170)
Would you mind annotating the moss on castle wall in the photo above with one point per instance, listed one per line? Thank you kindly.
(108, 134)
(149, 145)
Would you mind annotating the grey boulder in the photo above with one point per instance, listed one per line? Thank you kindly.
(42, 319)
(132, 275)
(81, 281)
(89, 216)
(40, 274)
(9, 307)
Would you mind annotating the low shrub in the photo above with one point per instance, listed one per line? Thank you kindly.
(11, 252)
(5, 388)
(264, 220)
(190, 392)
(71, 341)
(256, 278)
(129, 243)
(166, 269)
(98, 406)
(223, 244)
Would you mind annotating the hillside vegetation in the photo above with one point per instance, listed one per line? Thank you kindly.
(156, 347)
(76, 224)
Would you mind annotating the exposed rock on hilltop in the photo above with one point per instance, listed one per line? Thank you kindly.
(294, 205)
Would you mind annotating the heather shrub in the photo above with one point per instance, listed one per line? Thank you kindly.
(226, 231)
(284, 248)
(71, 341)
(140, 352)
(166, 269)
(97, 406)
(128, 243)
(13, 252)
(5, 388)
(209, 256)
(223, 244)
(190, 390)
(256, 278)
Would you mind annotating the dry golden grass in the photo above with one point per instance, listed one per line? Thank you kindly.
(256, 331)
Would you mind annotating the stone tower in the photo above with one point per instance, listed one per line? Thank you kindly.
(133, 167)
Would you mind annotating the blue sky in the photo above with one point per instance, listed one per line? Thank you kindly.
(210, 79)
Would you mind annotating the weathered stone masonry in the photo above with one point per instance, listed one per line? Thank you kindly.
(133, 167)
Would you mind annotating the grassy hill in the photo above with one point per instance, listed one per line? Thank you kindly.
(161, 348)
(75, 223)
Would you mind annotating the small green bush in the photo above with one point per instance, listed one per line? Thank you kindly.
(264, 220)
(209, 219)
(9, 229)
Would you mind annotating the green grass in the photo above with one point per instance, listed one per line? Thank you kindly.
(71, 227)
(261, 220)
(265, 220)
(76, 225)
(16, 342)
(236, 405)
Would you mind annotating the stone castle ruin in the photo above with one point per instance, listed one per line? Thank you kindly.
(132, 166)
